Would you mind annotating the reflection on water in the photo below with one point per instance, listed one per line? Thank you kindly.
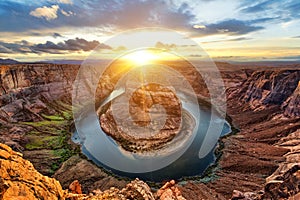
(95, 142)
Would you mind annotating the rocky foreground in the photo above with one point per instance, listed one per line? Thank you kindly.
(261, 161)
(20, 180)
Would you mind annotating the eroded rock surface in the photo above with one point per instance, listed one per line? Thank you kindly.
(88, 174)
(20, 180)
(35, 111)
(257, 162)
(156, 119)
(170, 191)
(292, 105)
(264, 88)
(268, 140)
(26, 89)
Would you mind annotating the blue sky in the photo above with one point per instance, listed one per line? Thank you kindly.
(226, 29)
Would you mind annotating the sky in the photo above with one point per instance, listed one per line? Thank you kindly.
(237, 30)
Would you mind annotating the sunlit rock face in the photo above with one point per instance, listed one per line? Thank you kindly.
(292, 104)
(154, 109)
(20, 180)
(142, 106)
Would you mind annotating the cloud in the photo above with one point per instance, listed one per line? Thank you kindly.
(49, 13)
(228, 27)
(65, 1)
(14, 47)
(34, 34)
(76, 44)
(229, 40)
(263, 20)
(65, 13)
(3, 49)
(70, 45)
(123, 15)
(56, 35)
(295, 57)
(284, 10)
(161, 45)
(120, 48)
(262, 6)
(136, 14)
(195, 56)
(294, 7)
(119, 15)
(228, 58)
(296, 36)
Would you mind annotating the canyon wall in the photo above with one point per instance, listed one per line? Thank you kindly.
(261, 161)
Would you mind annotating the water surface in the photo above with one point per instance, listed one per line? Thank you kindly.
(105, 152)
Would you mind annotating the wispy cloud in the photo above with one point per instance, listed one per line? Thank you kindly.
(161, 45)
(228, 40)
(258, 7)
(292, 58)
(65, 1)
(284, 10)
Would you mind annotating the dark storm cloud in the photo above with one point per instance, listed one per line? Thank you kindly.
(229, 27)
(71, 45)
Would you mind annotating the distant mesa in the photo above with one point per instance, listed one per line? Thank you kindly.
(69, 62)
(8, 61)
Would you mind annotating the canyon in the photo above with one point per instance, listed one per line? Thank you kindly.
(260, 160)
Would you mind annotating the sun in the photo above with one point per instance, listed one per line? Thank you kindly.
(141, 57)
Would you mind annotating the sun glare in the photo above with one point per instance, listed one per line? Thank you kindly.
(141, 57)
